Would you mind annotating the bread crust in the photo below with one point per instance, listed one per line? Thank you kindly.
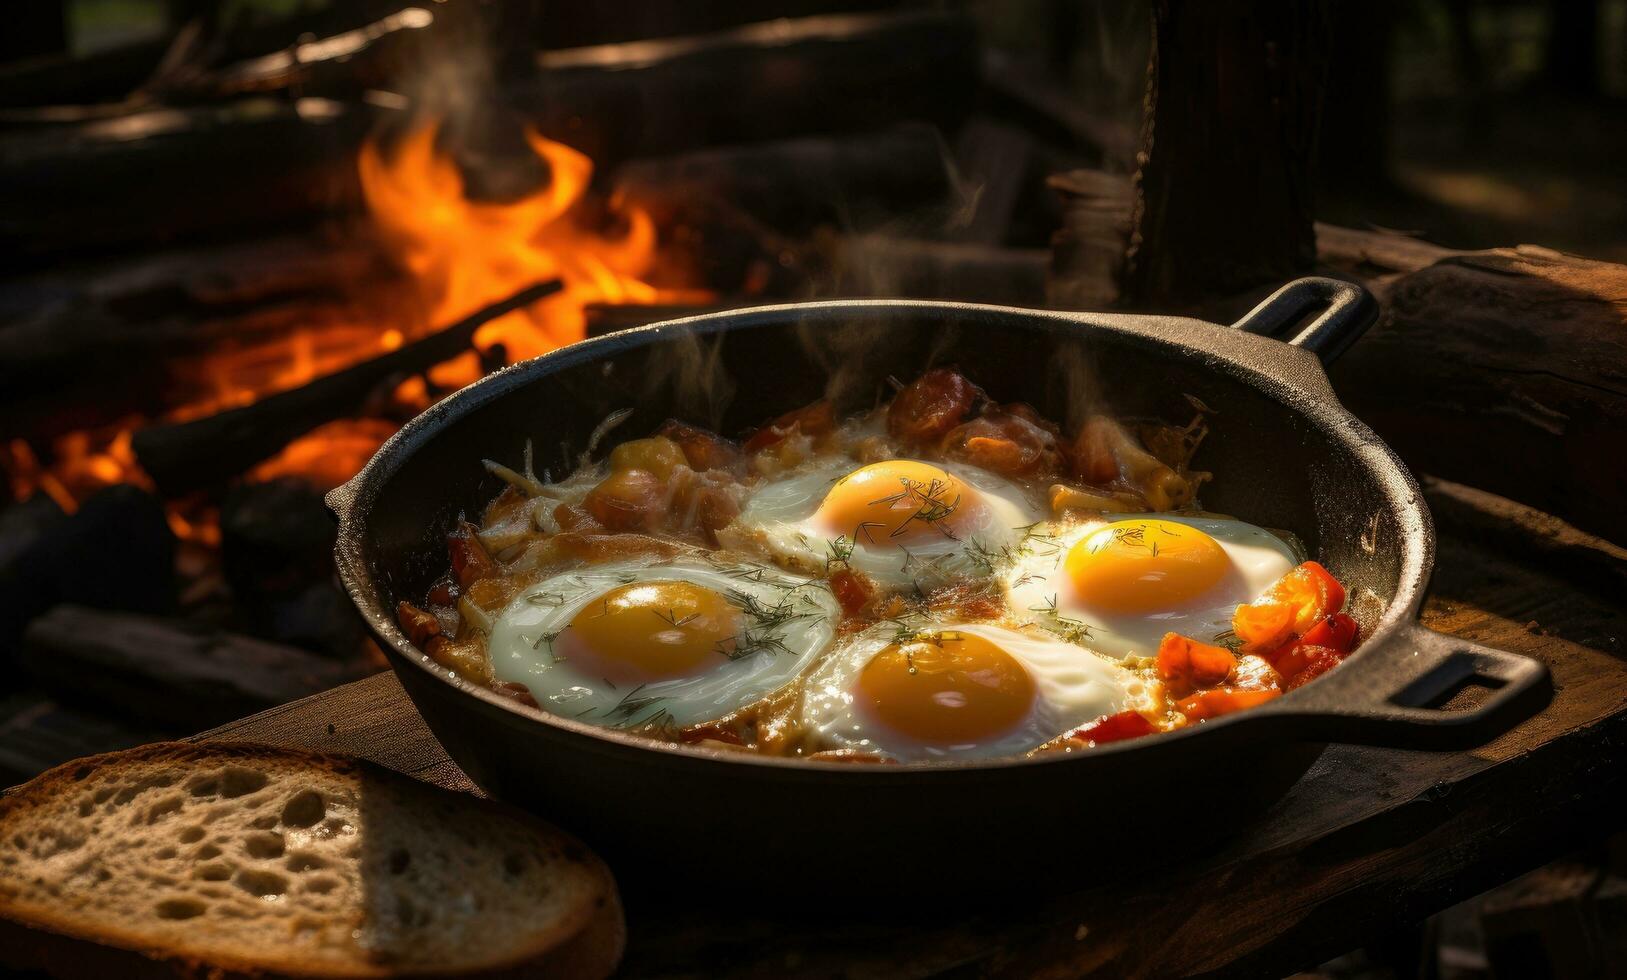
(586, 943)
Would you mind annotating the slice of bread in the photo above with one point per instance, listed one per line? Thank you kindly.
(234, 859)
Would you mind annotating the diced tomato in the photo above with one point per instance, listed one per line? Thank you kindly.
(421, 627)
(1186, 663)
(811, 420)
(1294, 605)
(1263, 625)
(470, 563)
(1114, 728)
(852, 590)
(1312, 591)
(1337, 632)
(1222, 701)
(931, 405)
(1312, 662)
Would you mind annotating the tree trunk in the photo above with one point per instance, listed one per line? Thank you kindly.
(1223, 196)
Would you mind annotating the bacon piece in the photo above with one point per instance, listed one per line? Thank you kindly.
(470, 563)
(1105, 451)
(574, 517)
(931, 405)
(705, 450)
(421, 627)
(814, 420)
(1004, 442)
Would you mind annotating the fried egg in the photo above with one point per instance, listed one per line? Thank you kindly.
(898, 521)
(680, 643)
(961, 692)
(1119, 587)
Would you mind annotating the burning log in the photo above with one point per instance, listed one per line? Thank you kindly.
(167, 672)
(190, 455)
(833, 73)
(81, 348)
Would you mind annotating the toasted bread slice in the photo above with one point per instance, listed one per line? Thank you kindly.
(235, 859)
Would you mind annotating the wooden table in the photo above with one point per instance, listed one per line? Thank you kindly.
(1370, 839)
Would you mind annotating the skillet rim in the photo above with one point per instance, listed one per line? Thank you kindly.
(1302, 388)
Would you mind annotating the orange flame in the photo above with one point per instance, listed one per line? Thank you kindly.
(466, 254)
(461, 254)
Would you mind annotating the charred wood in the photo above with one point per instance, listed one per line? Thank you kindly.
(190, 455)
(834, 73)
(165, 174)
(94, 344)
(277, 555)
(115, 552)
(167, 672)
(794, 184)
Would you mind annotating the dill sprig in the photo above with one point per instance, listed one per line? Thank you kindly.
(1065, 628)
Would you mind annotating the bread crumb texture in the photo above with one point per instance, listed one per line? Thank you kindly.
(293, 861)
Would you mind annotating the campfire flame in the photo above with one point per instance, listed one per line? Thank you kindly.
(461, 255)
(467, 254)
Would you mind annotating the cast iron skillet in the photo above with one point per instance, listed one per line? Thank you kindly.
(1284, 454)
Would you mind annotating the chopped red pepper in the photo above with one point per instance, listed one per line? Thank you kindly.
(1114, 728)
(1337, 632)
(1222, 701)
(1292, 606)
(1312, 662)
(1263, 625)
(1186, 663)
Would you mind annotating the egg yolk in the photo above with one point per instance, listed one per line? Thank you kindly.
(897, 502)
(650, 631)
(1144, 566)
(949, 689)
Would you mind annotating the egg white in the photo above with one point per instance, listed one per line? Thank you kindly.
(520, 644)
(778, 521)
(1037, 591)
(1072, 687)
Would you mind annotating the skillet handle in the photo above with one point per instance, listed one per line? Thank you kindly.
(1395, 701)
(1347, 311)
